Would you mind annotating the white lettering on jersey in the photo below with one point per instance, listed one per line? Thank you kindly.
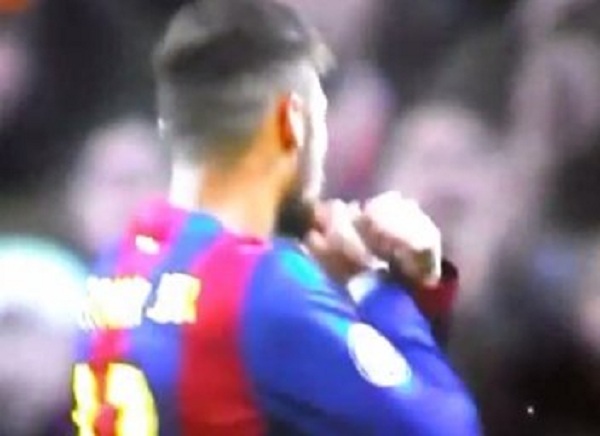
(176, 298)
(120, 302)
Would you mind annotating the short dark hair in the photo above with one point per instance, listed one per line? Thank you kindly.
(220, 64)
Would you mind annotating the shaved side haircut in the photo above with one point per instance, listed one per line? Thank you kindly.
(221, 66)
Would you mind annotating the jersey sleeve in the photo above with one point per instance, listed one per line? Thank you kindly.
(435, 301)
(322, 364)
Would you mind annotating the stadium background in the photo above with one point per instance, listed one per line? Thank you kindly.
(488, 112)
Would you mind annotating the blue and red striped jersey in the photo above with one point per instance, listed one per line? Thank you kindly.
(194, 330)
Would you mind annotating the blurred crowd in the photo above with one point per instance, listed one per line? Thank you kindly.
(487, 112)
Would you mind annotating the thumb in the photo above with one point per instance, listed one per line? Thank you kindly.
(315, 242)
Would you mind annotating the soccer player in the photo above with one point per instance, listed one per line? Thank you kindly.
(204, 322)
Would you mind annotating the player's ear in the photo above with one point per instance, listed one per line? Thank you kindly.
(292, 122)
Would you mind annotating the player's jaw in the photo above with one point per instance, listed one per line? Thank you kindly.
(296, 212)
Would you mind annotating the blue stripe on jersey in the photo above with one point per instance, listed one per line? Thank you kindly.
(322, 366)
(282, 276)
(156, 348)
(105, 266)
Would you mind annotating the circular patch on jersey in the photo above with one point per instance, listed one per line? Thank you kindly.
(375, 357)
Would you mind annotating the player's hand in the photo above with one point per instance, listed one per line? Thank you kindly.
(335, 243)
(397, 230)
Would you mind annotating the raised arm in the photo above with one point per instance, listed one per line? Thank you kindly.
(322, 365)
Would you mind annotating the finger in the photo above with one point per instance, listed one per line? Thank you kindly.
(328, 212)
(420, 245)
(345, 236)
(350, 243)
(321, 216)
(402, 220)
(373, 239)
(391, 195)
(396, 227)
(416, 263)
(424, 233)
(316, 243)
(354, 210)
(388, 208)
(339, 234)
(383, 200)
(342, 217)
(363, 225)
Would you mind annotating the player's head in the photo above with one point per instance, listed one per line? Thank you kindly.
(241, 77)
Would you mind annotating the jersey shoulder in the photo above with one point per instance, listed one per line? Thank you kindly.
(288, 284)
(159, 232)
(271, 264)
(289, 264)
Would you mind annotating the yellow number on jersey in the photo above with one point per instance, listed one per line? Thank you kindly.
(127, 391)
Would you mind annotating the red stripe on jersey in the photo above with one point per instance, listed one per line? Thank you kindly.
(215, 396)
(111, 345)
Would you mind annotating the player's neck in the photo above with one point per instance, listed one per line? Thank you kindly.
(234, 197)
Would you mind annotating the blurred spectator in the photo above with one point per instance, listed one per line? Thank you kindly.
(14, 71)
(559, 113)
(69, 76)
(484, 157)
(536, 20)
(41, 282)
(587, 309)
(40, 297)
(360, 100)
(447, 158)
(123, 163)
(556, 109)
(497, 135)
(13, 6)
(415, 37)
(450, 153)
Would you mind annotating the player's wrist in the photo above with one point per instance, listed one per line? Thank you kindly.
(435, 299)
(416, 268)
(362, 284)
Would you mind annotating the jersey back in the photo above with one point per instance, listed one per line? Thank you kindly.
(202, 332)
(163, 356)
